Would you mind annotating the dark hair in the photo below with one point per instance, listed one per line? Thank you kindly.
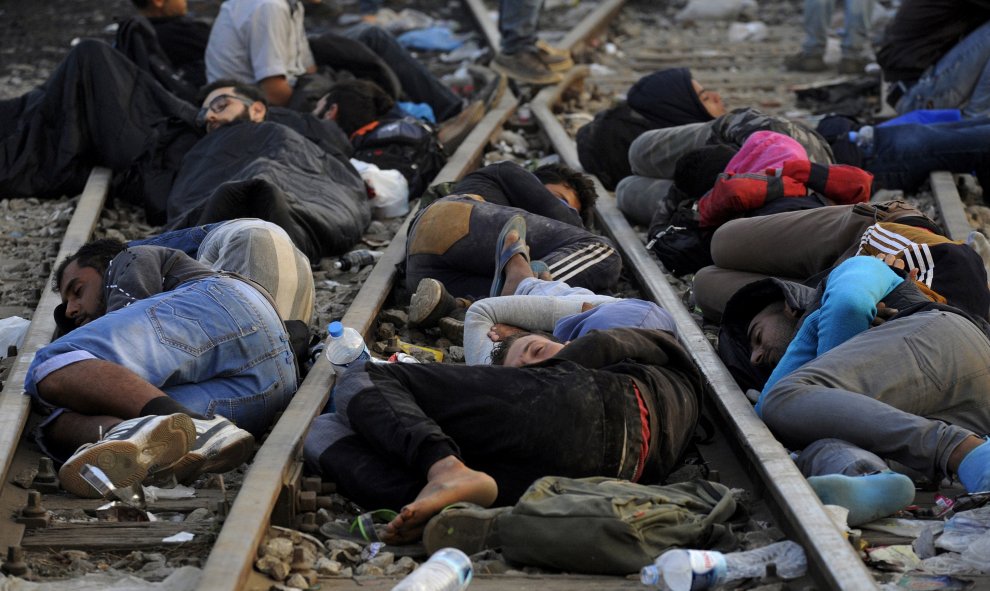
(248, 91)
(96, 254)
(359, 102)
(559, 174)
(501, 348)
(140, 4)
(696, 171)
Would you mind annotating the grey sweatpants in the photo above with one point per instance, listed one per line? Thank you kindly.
(909, 390)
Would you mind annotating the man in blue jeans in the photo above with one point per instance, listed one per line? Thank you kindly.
(522, 56)
(165, 351)
(855, 38)
(936, 55)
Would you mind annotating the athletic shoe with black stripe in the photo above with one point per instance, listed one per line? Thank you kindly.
(220, 446)
(130, 451)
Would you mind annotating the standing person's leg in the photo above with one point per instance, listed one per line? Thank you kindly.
(858, 16)
(418, 83)
(519, 57)
(950, 83)
(816, 18)
(903, 156)
(914, 390)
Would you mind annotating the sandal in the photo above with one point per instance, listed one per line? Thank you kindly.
(503, 253)
(365, 523)
(468, 527)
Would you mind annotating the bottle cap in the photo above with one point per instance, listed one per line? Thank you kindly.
(335, 329)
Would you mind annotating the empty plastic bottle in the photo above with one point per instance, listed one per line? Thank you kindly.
(357, 259)
(448, 569)
(345, 346)
(693, 570)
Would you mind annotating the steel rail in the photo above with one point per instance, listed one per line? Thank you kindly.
(15, 406)
(831, 558)
(230, 563)
(949, 205)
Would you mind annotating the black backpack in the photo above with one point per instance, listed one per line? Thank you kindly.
(680, 243)
(408, 145)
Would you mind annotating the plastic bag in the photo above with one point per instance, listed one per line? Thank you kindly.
(12, 331)
(389, 190)
(964, 529)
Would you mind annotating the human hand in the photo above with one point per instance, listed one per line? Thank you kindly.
(892, 261)
(499, 332)
(884, 313)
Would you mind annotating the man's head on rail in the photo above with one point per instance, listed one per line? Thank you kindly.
(79, 280)
(225, 102)
(525, 348)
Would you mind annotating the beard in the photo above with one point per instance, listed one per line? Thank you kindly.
(214, 125)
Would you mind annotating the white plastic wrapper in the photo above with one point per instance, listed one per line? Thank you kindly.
(391, 191)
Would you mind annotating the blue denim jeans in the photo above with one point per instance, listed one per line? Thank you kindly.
(215, 345)
(960, 79)
(818, 18)
(518, 21)
(187, 239)
(903, 156)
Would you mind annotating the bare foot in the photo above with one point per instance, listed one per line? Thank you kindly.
(448, 481)
(516, 269)
(500, 332)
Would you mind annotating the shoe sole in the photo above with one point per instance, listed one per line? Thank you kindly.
(126, 463)
(424, 301)
(231, 454)
(469, 529)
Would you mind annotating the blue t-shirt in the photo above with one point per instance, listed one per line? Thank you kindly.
(629, 313)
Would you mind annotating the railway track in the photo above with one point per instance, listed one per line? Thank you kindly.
(274, 491)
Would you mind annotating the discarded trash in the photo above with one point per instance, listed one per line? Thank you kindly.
(431, 39)
(899, 558)
(755, 31)
(182, 536)
(12, 331)
(122, 513)
(714, 10)
(693, 570)
(97, 478)
(345, 346)
(964, 529)
(357, 259)
(448, 569)
(410, 349)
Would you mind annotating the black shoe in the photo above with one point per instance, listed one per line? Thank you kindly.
(453, 330)
(805, 62)
(853, 65)
(430, 303)
(525, 67)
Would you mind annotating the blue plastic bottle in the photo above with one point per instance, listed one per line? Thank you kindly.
(345, 347)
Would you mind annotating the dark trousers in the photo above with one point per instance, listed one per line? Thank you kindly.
(418, 83)
(455, 241)
(96, 109)
(516, 424)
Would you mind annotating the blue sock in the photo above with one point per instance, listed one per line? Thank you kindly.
(974, 469)
(868, 497)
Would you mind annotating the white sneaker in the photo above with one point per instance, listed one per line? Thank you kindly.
(130, 451)
(220, 446)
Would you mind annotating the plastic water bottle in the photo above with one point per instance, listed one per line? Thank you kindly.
(693, 570)
(448, 569)
(357, 259)
(345, 347)
(863, 138)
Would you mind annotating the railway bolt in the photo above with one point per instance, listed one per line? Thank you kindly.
(46, 481)
(14, 565)
(312, 483)
(307, 501)
(33, 515)
(306, 523)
